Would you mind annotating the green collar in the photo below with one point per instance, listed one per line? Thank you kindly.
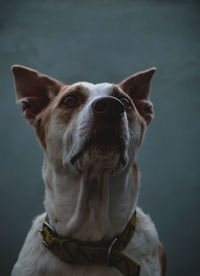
(103, 252)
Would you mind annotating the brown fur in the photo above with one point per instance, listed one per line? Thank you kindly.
(137, 175)
(162, 259)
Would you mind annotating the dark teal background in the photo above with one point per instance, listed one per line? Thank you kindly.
(108, 41)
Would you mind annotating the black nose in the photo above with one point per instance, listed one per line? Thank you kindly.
(108, 106)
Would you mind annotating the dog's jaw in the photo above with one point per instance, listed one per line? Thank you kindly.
(99, 150)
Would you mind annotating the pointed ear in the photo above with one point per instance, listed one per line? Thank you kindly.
(137, 87)
(33, 90)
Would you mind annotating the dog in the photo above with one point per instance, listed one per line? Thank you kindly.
(89, 134)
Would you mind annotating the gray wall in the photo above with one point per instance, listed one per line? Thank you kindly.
(107, 41)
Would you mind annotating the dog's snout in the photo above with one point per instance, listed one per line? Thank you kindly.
(110, 106)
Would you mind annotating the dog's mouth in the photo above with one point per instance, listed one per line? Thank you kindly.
(103, 143)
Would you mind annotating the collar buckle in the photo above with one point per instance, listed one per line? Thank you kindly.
(110, 249)
(51, 229)
(48, 232)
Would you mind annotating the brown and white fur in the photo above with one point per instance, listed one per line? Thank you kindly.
(90, 134)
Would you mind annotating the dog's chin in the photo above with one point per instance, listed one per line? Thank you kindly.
(96, 161)
(100, 155)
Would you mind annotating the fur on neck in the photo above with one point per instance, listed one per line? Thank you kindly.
(90, 207)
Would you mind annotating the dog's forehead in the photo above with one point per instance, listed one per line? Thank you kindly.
(93, 90)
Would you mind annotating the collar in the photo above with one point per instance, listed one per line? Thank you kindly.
(102, 252)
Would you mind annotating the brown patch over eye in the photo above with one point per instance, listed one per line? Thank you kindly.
(123, 97)
(73, 97)
(127, 104)
(70, 100)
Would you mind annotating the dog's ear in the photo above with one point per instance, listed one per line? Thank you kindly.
(137, 87)
(33, 90)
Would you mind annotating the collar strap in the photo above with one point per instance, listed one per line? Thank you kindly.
(103, 252)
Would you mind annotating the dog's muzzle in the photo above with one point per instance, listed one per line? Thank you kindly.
(103, 131)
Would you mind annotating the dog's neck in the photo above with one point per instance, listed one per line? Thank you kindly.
(87, 206)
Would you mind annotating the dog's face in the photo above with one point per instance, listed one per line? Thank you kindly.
(92, 126)
(86, 126)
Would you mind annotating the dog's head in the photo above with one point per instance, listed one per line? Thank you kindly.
(85, 125)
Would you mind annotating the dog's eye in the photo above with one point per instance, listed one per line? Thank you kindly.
(125, 102)
(70, 100)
